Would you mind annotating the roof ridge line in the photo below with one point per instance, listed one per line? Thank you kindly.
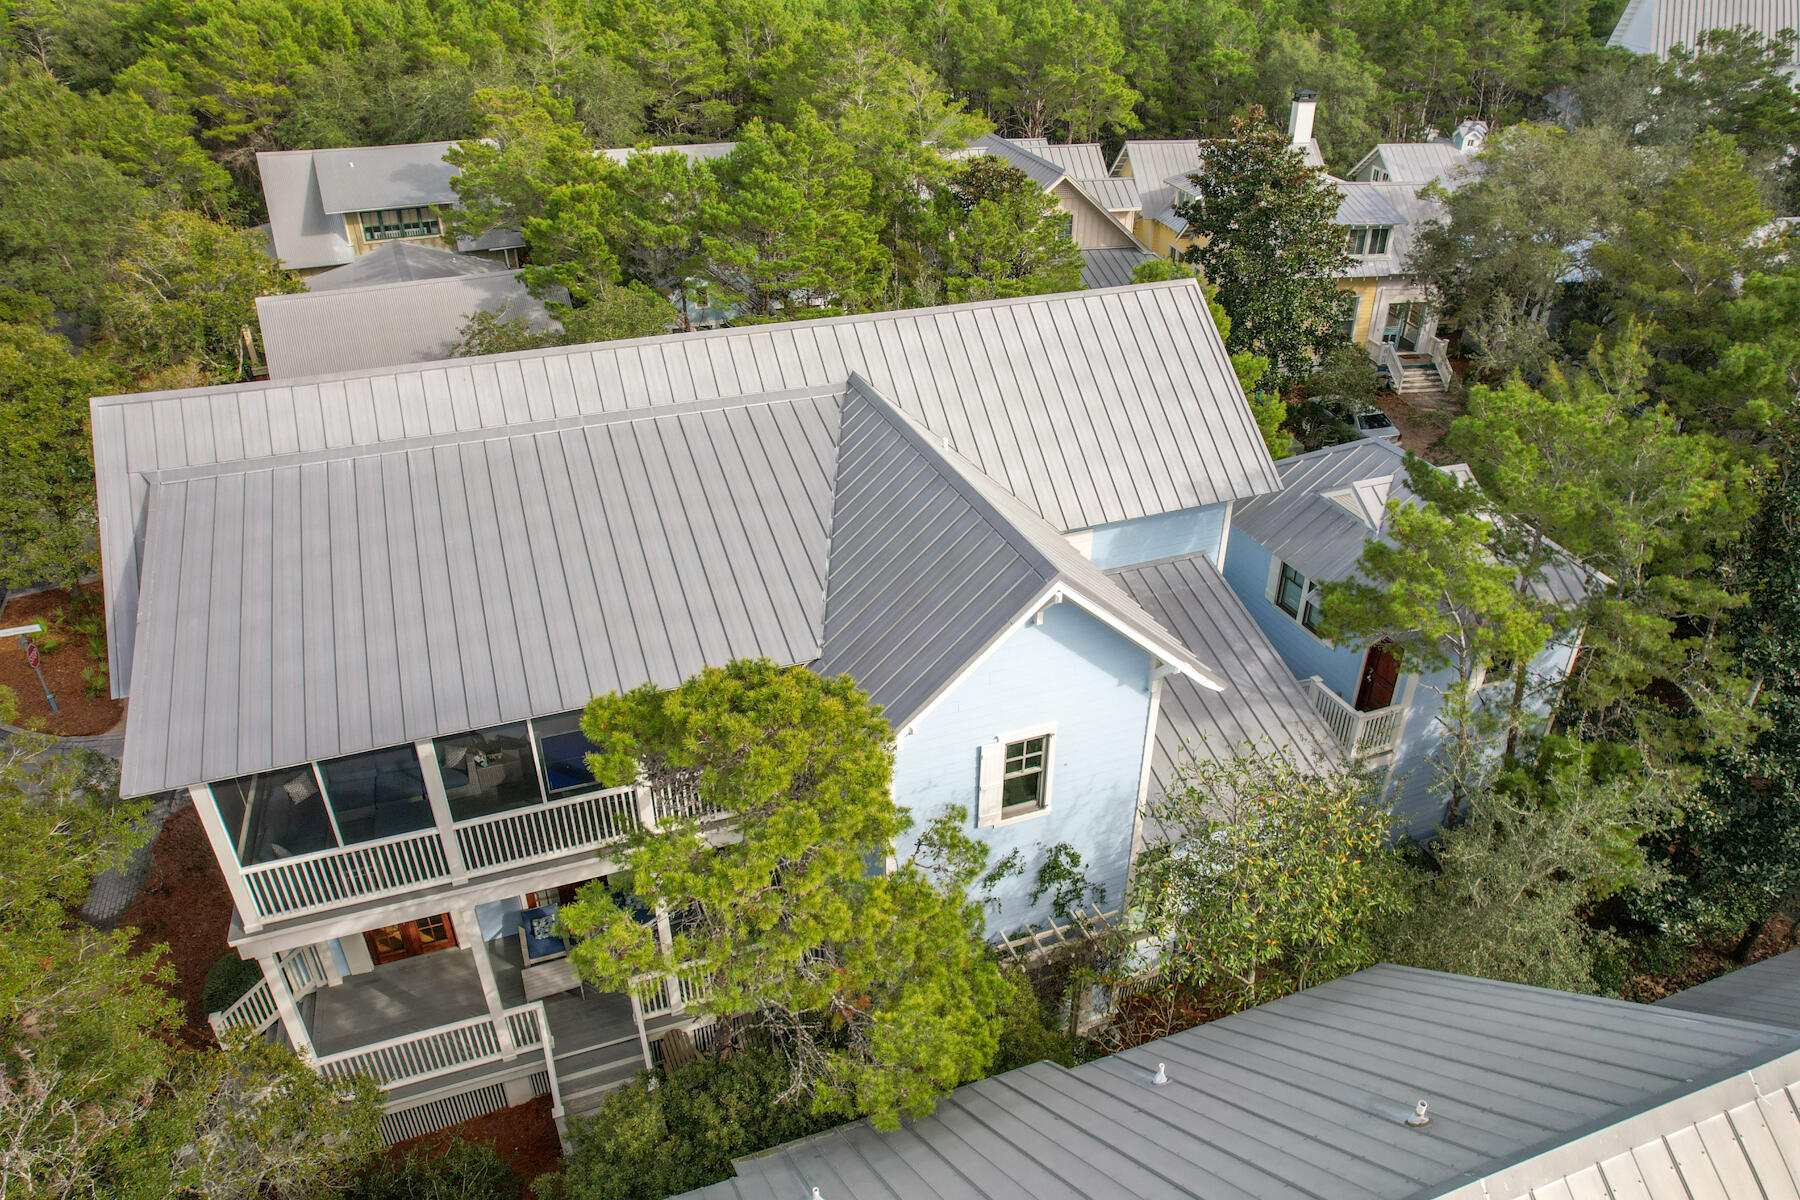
(940, 455)
(498, 433)
(121, 399)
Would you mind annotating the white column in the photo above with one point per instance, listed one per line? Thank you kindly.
(1158, 672)
(285, 1006)
(440, 809)
(225, 850)
(468, 935)
(646, 807)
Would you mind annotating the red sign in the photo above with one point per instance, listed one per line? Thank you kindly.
(31, 655)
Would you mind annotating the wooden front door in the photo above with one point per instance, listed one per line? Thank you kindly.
(1381, 671)
(410, 937)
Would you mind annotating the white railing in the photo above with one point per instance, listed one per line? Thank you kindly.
(543, 831)
(414, 1057)
(681, 803)
(288, 887)
(661, 994)
(255, 1010)
(1439, 350)
(1387, 357)
(1362, 734)
(305, 970)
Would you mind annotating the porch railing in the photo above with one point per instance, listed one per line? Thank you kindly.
(526, 835)
(1361, 734)
(660, 995)
(305, 970)
(255, 1010)
(1439, 350)
(1387, 357)
(414, 1057)
(675, 803)
(290, 887)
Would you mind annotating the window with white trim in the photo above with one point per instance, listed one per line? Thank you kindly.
(380, 226)
(1015, 776)
(1367, 239)
(1298, 597)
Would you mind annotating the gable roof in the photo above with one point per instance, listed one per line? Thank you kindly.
(1767, 992)
(401, 262)
(1114, 195)
(1306, 1097)
(308, 193)
(1160, 168)
(1042, 171)
(1078, 160)
(1658, 26)
(1333, 500)
(1417, 163)
(931, 563)
(1262, 704)
(1092, 407)
(384, 324)
(364, 178)
(1111, 266)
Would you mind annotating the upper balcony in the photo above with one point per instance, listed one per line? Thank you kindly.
(1369, 738)
(321, 836)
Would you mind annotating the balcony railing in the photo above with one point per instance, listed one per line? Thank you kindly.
(414, 1057)
(255, 1010)
(543, 831)
(662, 994)
(291, 887)
(1361, 734)
(678, 803)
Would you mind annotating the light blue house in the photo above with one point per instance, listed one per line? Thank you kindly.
(1284, 544)
(358, 614)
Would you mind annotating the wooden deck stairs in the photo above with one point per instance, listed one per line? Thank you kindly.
(1420, 384)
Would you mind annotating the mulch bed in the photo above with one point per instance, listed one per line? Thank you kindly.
(77, 713)
(525, 1135)
(1709, 962)
(184, 904)
(1422, 430)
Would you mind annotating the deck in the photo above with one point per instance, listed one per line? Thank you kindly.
(443, 987)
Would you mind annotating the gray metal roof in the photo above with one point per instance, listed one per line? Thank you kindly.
(1306, 1097)
(1092, 407)
(401, 262)
(1365, 204)
(1041, 170)
(385, 325)
(931, 562)
(1262, 705)
(1111, 266)
(698, 152)
(1767, 992)
(364, 178)
(1079, 160)
(1417, 163)
(1152, 163)
(1114, 195)
(305, 236)
(1658, 26)
(1334, 500)
(309, 605)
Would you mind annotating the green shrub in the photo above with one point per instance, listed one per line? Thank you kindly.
(1027, 1035)
(644, 1144)
(464, 1171)
(228, 979)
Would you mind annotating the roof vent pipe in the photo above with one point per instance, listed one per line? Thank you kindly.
(1162, 1075)
(1300, 116)
(1418, 1119)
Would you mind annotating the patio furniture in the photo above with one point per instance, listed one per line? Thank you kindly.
(536, 943)
(550, 979)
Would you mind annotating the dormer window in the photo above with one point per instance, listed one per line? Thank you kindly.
(1367, 239)
(1378, 175)
(399, 223)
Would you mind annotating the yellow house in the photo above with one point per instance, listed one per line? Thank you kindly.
(1100, 208)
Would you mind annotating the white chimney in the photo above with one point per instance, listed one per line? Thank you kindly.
(1468, 135)
(1300, 116)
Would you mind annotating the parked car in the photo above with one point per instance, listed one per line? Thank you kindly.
(1375, 424)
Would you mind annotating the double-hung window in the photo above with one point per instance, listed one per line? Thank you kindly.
(1367, 239)
(1298, 597)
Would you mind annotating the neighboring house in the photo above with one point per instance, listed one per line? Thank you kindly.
(1658, 26)
(328, 207)
(403, 302)
(1528, 1094)
(1311, 531)
(698, 152)
(1099, 209)
(358, 616)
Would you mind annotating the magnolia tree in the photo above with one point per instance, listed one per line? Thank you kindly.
(874, 986)
(1263, 876)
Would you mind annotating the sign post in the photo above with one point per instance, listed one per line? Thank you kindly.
(31, 654)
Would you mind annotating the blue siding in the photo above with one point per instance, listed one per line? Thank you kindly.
(1093, 684)
(1247, 571)
(1165, 535)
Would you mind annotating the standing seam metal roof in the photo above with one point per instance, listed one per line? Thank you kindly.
(1262, 706)
(1658, 26)
(1305, 1097)
(1767, 992)
(1111, 266)
(1092, 407)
